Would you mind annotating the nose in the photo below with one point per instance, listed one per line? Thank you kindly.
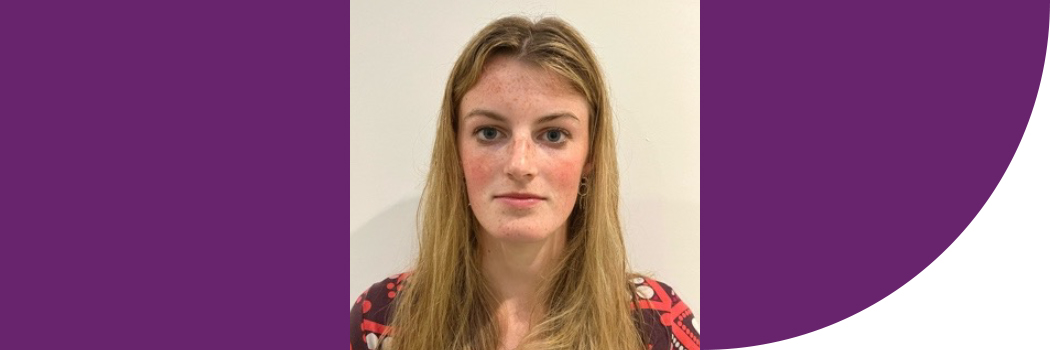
(522, 164)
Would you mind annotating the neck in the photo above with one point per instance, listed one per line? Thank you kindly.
(516, 271)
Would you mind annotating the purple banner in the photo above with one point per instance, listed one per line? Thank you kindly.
(845, 145)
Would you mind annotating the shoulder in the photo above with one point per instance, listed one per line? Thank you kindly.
(653, 290)
(370, 313)
(667, 319)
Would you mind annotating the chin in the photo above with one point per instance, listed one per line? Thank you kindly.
(522, 235)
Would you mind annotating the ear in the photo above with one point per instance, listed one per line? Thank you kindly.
(588, 169)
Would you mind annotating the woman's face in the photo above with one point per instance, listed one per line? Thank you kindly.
(523, 144)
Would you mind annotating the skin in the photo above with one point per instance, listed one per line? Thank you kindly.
(522, 130)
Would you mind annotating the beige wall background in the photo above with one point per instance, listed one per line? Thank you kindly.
(400, 55)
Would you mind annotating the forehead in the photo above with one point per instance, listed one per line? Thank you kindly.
(507, 83)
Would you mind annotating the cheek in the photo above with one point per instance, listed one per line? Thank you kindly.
(477, 171)
(566, 178)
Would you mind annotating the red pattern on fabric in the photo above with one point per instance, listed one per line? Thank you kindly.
(673, 314)
(369, 326)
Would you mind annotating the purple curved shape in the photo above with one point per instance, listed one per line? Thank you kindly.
(844, 146)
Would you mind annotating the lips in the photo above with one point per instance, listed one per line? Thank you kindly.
(518, 195)
(519, 200)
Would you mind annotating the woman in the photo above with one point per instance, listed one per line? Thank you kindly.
(520, 238)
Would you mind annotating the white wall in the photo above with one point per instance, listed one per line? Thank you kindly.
(400, 55)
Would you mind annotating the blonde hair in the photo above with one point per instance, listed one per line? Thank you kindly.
(446, 303)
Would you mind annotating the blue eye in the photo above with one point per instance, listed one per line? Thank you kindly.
(555, 135)
(487, 134)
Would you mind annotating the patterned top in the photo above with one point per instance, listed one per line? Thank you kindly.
(672, 326)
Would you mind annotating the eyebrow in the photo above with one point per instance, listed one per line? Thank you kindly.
(499, 117)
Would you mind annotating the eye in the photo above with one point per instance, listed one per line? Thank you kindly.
(487, 133)
(555, 135)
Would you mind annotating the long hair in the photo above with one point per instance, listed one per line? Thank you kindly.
(446, 303)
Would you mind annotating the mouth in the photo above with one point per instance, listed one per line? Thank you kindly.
(519, 200)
